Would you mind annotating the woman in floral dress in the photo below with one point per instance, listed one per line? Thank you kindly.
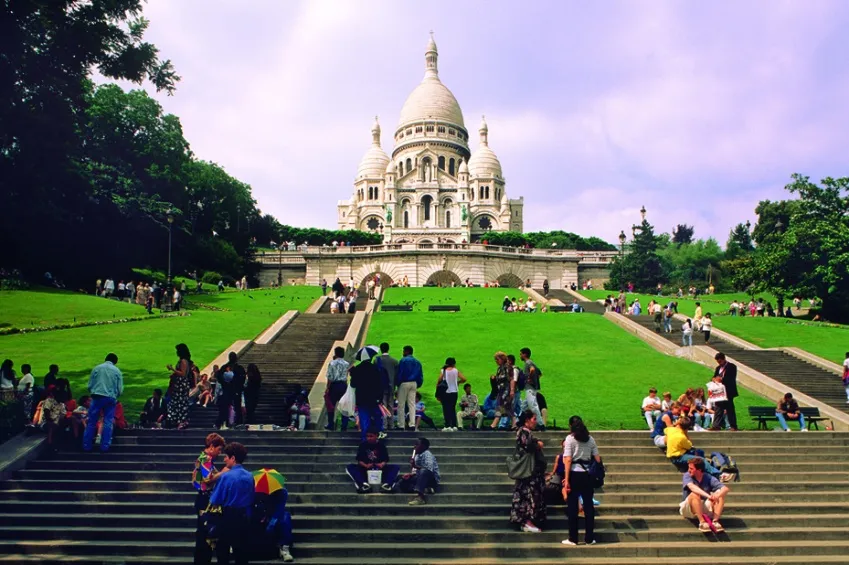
(528, 495)
(501, 384)
(181, 384)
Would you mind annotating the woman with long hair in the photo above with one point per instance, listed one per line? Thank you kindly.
(452, 378)
(8, 382)
(528, 508)
(578, 450)
(181, 384)
(501, 382)
(254, 381)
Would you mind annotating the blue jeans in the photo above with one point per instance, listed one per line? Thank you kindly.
(782, 421)
(667, 325)
(99, 405)
(687, 339)
(368, 417)
(425, 479)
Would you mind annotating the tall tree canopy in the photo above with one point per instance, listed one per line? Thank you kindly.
(682, 234)
(545, 239)
(641, 265)
(740, 243)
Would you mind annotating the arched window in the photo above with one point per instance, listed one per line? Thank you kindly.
(448, 218)
(406, 218)
(473, 193)
(409, 165)
(400, 168)
(427, 201)
(498, 193)
(441, 163)
(451, 167)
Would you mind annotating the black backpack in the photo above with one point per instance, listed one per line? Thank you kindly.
(596, 471)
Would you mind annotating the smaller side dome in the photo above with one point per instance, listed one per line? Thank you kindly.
(484, 162)
(390, 168)
(463, 167)
(375, 161)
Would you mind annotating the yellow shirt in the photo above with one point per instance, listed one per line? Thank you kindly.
(677, 442)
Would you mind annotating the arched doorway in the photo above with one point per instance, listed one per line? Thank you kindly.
(443, 278)
(510, 280)
(385, 280)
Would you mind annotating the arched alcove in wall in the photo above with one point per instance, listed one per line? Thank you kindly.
(443, 278)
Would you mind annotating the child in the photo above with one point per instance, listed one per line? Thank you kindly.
(687, 333)
(420, 413)
(234, 492)
(707, 324)
(300, 411)
(667, 402)
(53, 414)
(203, 479)
(701, 415)
(79, 417)
(651, 407)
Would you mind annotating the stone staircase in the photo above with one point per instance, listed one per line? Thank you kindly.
(783, 367)
(589, 306)
(134, 504)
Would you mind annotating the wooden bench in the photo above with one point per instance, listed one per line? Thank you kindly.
(563, 308)
(397, 307)
(764, 413)
(443, 308)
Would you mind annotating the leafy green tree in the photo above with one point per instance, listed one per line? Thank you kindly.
(693, 263)
(682, 234)
(559, 239)
(641, 264)
(740, 243)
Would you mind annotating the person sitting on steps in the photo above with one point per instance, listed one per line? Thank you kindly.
(425, 471)
(661, 423)
(420, 414)
(372, 455)
(469, 409)
(651, 407)
(703, 496)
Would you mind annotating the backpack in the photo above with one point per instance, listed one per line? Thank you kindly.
(596, 471)
(726, 465)
(522, 382)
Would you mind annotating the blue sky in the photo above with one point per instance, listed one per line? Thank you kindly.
(695, 110)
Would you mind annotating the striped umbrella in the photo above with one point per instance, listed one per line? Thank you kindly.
(267, 481)
(367, 353)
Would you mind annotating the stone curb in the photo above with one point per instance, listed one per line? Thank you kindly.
(239, 346)
(272, 331)
(655, 341)
(316, 306)
(20, 450)
(808, 357)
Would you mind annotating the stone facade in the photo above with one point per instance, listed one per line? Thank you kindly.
(432, 189)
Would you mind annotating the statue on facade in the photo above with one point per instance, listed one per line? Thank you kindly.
(464, 213)
(388, 213)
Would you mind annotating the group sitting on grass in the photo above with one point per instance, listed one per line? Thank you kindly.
(520, 305)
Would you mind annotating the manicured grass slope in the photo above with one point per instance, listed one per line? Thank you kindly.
(590, 366)
(144, 348)
(469, 299)
(48, 307)
(713, 303)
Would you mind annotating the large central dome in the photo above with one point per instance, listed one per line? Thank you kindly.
(431, 100)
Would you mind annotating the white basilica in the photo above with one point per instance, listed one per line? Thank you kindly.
(433, 188)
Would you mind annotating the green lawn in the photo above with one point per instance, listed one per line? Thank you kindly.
(469, 299)
(145, 348)
(590, 366)
(710, 303)
(48, 307)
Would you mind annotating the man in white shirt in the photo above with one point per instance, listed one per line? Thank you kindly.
(108, 288)
(718, 400)
(651, 407)
(371, 289)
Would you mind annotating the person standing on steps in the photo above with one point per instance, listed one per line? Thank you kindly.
(181, 384)
(687, 333)
(452, 377)
(697, 317)
(579, 450)
(324, 287)
(388, 367)
(728, 376)
(365, 380)
(234, 492)
(105, 385)
(409, 378)
(528, 509)
(545, 287)
(532, 385)
(203, 479)
(846, 376)
(337, 384)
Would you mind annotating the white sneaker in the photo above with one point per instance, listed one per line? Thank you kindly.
(285, 555)
(446, 429)
(527, 527)
(568, 542)
(453, 429)
(788, 430)
(804, 430)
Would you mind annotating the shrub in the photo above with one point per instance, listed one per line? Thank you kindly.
(211, 277)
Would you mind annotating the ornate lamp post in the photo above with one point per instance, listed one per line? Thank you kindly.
(170, 217)
(621, 257)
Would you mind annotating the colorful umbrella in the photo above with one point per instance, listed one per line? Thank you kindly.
(267, 481)
(367, 353)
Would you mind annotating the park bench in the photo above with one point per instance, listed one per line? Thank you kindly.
(563, 308)
(397, 308)
(443, 308)
(764, 413)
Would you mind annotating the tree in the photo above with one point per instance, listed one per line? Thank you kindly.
(695, 263)
(641, 265)
(807, 252)
(740, 242)
(682, 234)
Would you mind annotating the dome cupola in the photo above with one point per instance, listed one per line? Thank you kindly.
(374, 162)
(484, 162)
(431, 100)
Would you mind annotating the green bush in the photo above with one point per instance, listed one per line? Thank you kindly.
(211, 277)
(12, 419)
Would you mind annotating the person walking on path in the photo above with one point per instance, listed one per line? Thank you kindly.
(452, 377)
(181, 384)
(365, 380)
(728, 375)
(501, 386)
(579, 450)
(105, 385)
(528, 509)
(409, 378)
(388, 367)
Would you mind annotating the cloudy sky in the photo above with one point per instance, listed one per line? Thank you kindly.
(695, 110)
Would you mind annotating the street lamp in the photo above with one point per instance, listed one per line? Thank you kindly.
(170, 216)
(643, 212)
(621, 258)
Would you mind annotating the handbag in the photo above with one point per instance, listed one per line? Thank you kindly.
(441, 388)
(347, 403)
(520, 465)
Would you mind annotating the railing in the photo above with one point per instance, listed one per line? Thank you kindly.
(299, 255)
